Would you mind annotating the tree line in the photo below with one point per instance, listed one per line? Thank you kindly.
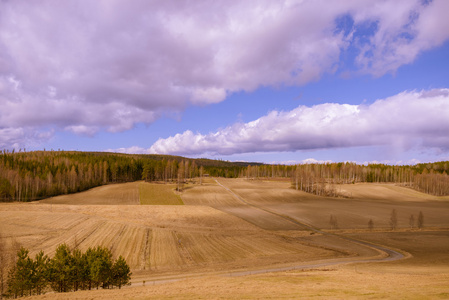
(68, 270)
(28, 176)
(323, 179)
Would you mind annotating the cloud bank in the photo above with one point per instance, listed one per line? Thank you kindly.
(85, 66)
(404, 121)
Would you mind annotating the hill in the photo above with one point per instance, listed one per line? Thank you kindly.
(230, 229)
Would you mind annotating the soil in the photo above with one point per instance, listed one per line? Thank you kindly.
(244, 239)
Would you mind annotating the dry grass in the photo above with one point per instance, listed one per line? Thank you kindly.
(112, 194)
(158, 194)
(344, 282)
(419, 277)
(385, 191)
(215, 233)
(154, 238)
(131, 193)
(352, 213)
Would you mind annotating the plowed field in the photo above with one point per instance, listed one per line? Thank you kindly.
(245, 226)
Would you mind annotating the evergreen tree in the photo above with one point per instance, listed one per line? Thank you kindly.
(80, 270)
(61, 269)
(66, 271)
(100, 265)
(40, 276)
(120, 273)
(20, 277)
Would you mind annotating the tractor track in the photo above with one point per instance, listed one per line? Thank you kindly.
(390, 254)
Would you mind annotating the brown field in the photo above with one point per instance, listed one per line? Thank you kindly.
(351, 213)
(112, 194)
(158, 194)
(227, 241)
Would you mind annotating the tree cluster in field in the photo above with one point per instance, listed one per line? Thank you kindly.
(69, 270)
(393, 221)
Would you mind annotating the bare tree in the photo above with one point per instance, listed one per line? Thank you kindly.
(181, 177)
(333, 222)
(420, 220)
(7, 259)
(394, 220)
(3, 265)
(370, 224)
(412, 221)
(201, 175)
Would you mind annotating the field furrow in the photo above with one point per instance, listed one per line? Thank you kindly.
(239, 225)
(164, 251)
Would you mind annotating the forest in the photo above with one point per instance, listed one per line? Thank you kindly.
(322, 179)
(30, 176)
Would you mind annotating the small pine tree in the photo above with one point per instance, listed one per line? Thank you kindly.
(20, 276)
(120, 273)
(61, 269)
(100, 265)
(40, 274)
(80, 271)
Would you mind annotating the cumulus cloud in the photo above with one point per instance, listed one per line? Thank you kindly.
(84, 66)
(406, 120)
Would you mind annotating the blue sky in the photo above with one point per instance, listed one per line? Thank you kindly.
(284, 81)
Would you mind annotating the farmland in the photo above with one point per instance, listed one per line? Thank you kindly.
(158, 194)
(239, 226)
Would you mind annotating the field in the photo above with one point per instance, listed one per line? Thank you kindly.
(158, 194)
(237, 238)
(113, 194)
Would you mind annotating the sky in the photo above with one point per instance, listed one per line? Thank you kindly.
(267, 81)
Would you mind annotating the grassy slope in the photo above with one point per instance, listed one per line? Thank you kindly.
(158, 194)
(112, 194)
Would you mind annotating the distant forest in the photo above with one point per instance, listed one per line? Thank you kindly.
(29, 176)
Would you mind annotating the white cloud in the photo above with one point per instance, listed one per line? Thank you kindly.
(17, 138)
(130, 150)
(404, 30)
(84, 66)
(304, 161)
(406, 120)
